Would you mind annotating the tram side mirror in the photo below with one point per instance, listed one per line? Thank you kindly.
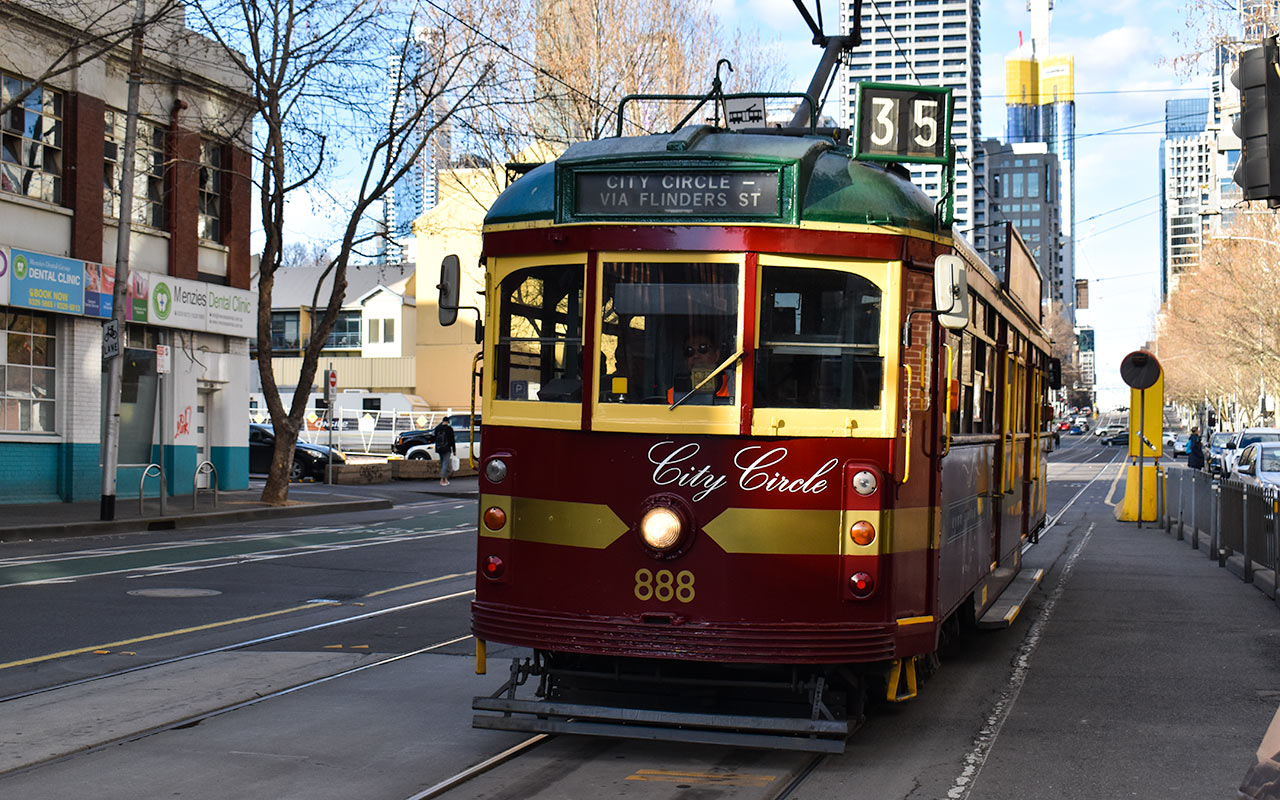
(450, 276)
(1055, 373)
(951, 292)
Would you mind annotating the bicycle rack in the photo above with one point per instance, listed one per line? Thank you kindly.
(146, 473)
(202, 467)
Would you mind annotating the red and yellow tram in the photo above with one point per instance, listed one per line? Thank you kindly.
(738, 468)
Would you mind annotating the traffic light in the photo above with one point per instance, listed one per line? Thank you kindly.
(1258, 126)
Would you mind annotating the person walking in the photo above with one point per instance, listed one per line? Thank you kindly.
(1195, 455)
(446, 443)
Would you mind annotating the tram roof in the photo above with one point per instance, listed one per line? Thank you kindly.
(820, 181)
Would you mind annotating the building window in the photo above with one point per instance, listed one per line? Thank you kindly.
(211, 191)
(388, 331)
(375, 329)
(346, 331)
(148, 176)
(284, 330)
(31, 141)
(28, 400)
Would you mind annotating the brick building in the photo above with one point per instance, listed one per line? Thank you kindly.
(60, 151)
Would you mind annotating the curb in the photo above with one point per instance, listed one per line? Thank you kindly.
(57, 530)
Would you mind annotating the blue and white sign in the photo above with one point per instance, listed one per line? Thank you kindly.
(47, 283)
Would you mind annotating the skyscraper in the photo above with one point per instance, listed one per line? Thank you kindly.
(1187, 155)
(1040, 107)
(926, 42)
(417, 190)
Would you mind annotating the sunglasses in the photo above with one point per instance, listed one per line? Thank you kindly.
(702, 348)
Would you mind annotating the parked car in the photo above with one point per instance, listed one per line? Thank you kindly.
(309, 460)
(406, 441)
(1213, 459)
(1178, 446)
(461, 438)
(1260, 464)
(1239, 441)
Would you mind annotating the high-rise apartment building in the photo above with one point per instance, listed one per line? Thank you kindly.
(417, 190)
(1022, 184)
(1187, 156)
(1040, 107)
(932, 43)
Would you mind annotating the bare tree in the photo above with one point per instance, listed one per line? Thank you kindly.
(567, 63)
(341, 85)
(87, 30)
(1219, 333)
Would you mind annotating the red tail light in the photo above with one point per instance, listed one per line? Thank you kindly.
(862, 585)
(494, 567)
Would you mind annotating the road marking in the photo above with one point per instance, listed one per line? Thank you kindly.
(985, 741)
(149, 638)
(262, 640)
(420, 583)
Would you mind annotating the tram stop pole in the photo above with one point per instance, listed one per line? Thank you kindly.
(1142, 372)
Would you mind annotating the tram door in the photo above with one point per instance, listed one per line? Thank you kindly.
(1013, 451)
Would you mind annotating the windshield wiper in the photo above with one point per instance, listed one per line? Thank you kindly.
(703, 382)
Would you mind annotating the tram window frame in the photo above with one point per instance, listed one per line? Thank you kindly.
(547, 404)
(880, 421)
(661, 374)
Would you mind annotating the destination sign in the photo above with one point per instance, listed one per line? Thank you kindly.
(690, 193)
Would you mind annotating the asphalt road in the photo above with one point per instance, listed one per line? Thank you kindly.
(1139, 670)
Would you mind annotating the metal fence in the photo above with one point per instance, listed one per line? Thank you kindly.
(358, 431)
(1237, 524)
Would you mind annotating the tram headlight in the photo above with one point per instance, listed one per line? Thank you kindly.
(864, 482)
(661, 527)
(496, 470)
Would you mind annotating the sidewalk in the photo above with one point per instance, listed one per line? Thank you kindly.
(27, 521)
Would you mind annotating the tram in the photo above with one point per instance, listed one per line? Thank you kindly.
(761, 433)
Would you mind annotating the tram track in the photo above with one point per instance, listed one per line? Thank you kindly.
(193, 720)
(244, 644)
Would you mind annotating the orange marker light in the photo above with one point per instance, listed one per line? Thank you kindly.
(863, 532)
(494, 518)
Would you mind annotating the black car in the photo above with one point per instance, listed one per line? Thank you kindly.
(409, 439)
(1121, 437)
(309, 460)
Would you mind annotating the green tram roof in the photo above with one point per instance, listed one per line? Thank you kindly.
(834, 188)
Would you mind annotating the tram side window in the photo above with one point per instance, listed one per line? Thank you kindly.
(539, 349)
(666, 328)
(819, 340)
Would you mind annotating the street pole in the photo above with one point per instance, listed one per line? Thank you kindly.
(115, 365)
(1142, 442)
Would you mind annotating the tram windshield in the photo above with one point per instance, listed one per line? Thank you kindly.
(819, 340)
(665, 329)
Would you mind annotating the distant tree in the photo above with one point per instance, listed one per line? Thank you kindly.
(299, 254)
(341, 80)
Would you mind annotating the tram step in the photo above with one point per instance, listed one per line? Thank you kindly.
(1004, 610)
(775, 733)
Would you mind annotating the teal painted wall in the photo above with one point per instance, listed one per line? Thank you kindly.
(30, 472)
(232, 464)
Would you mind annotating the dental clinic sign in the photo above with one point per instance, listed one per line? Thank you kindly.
(82, 288)
(200, 306)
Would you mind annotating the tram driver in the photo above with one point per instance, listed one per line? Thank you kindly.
(702, 354)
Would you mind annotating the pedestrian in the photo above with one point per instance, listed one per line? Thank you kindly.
(1195, 456)
(445, 446)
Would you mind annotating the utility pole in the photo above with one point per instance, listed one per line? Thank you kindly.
(115, 365)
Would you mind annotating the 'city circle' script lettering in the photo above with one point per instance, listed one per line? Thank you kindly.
(677, 465)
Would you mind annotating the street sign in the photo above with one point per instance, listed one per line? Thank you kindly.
(330, 385)
(110, 340)
(162, 359)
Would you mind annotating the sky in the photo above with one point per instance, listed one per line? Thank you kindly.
(1122, 80)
